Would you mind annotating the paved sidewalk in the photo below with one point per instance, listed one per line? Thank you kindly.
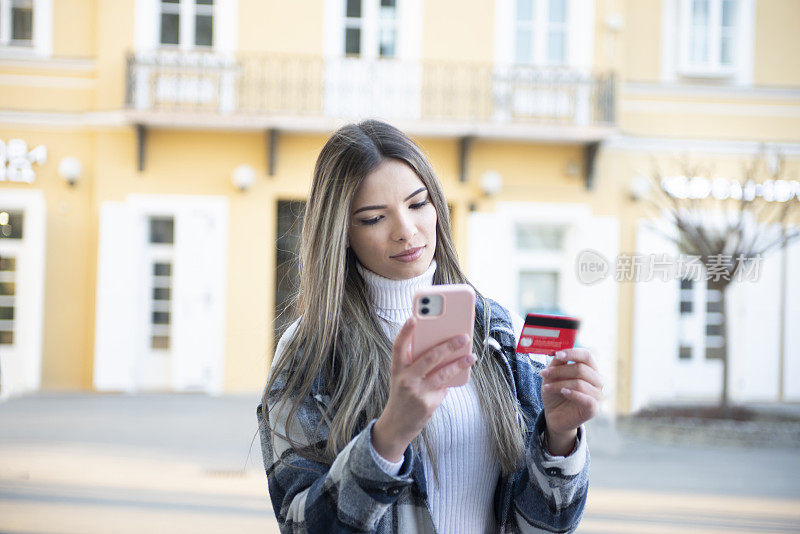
(88, 464)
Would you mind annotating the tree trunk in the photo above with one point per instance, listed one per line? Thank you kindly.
(722, 286)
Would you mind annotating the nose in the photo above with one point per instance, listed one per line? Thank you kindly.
(404, 228)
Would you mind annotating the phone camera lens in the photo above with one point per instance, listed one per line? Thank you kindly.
(426, 300)
(424, 311)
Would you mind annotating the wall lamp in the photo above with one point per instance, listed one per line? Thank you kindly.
(243, 177)
(70, 169)
(491, 183)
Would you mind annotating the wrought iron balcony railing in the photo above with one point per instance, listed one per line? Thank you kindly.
(350, 87)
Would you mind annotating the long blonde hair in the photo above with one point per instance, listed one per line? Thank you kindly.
(338, 333)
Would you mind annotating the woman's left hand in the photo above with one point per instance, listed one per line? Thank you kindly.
(571, 393)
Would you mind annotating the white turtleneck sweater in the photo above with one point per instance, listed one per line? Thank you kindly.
(468, 466)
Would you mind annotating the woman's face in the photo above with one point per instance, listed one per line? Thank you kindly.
(392, 222)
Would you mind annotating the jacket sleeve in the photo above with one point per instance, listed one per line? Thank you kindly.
(549, 492)
(350, 495)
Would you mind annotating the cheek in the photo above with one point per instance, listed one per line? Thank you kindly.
(363, 241)
(430, 222)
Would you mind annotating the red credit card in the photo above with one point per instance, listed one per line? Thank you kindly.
(546, 334)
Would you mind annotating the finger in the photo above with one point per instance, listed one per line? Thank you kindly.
(574, 385)
(450, 350)
(572, 371)
(565, 356)
(401, 348)
(442, 377)
(588, 405)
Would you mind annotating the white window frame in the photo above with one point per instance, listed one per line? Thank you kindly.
(675, 50)
(41, 36)
(546, 261)
(187, 9)
(392, 23)
(540, 28)
(580, 33)
(355, 23)
(407, 24)
(713, 33)
(370, 23)
(147, 27)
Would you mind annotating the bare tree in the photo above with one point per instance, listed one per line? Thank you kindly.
(726, 223)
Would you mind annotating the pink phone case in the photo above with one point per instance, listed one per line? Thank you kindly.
(457, 317)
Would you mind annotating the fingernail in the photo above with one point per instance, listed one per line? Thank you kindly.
(470, 359)
(544, 373)
(461, 340)
(547, 387)
(561, 355)
(566, 391)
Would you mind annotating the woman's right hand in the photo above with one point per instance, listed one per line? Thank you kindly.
(417, 387)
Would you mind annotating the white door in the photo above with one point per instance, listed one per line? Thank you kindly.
(22, 248)
(199, 307)
(525, 256)
(119, 330)
(162, 314)
(657, 331)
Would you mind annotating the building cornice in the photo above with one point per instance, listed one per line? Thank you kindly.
(626, 143)
(543, 133)
(26, 59)
(644, 89)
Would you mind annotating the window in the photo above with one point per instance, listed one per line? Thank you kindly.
(709, 36)
(540, 33)
(714, 324)
(187, 23)
(352, 28)
(8, 271)
(11, 224)
(161, 239)
(700, 320)
(370, 28)
(170, 18)
(388, 29)
(16, 23)
(686, 319)
(287, 272)
(162, 230)
(537, 237)
(540, 258)
(687, 296)
(538, 291)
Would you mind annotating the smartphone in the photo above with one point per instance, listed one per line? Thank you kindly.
(443, 312)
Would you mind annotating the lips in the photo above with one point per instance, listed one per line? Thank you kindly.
(409, 255)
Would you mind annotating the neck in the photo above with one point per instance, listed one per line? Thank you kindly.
(391, 297)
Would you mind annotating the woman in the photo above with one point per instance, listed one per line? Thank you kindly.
(357, 436)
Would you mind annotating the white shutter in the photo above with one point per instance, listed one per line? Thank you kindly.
(791, 369)
(595, 303)
(118, 325)
(655, 326)
(199, 305)
(489, 265)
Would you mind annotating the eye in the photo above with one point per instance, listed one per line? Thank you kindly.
(418, 205)
(372, 221)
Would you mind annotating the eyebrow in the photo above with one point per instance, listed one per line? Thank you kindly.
(409, 197)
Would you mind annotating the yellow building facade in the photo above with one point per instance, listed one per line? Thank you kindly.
(190, 130)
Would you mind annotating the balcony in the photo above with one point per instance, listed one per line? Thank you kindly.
(316, 94)
(249, 89)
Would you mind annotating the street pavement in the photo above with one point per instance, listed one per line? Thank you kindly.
(83, 463)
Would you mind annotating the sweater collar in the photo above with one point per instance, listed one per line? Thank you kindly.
(388, 294)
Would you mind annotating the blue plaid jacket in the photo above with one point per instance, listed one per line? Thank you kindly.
(353, 494)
